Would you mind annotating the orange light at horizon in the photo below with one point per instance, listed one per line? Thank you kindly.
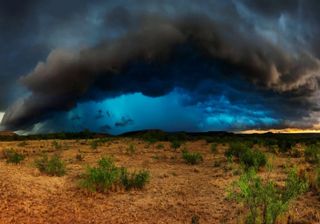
(285, 131)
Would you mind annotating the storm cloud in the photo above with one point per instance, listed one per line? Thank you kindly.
(257, 54)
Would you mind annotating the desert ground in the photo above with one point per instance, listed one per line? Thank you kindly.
(176, 193)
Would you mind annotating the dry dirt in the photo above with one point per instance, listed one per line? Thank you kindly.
(175, 194)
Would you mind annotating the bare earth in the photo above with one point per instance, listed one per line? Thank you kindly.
(175, 194)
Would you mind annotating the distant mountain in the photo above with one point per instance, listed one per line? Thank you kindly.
(7, 133)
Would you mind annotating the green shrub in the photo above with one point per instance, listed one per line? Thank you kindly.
(102, 177)
(192, 158)
(175, 144)
(134, 180)
(265, 201)
(312, 153)
(247, 157)
(236, 149)
(251, 158)
(13, 156)
(213, 147)
(53, 166)
(106, 175)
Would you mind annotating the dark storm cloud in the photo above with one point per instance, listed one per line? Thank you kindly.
(270, 46)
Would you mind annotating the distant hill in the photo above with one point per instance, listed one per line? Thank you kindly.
(8, 133)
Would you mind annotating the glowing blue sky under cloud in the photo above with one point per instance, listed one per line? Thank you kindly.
(166, 112)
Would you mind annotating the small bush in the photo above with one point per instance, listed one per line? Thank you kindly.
(106, 175)
(102, 177)
(53, 166)
(255, 159)
(94, 144)
(175, 144)
(264, 199)
(134, 180)
(160, 146)
(247, 157)
(13, 156)
(312, 154)
(314, 179)
(192, 158)
(213, 147)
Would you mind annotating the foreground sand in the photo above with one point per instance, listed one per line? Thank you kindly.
(175, 194)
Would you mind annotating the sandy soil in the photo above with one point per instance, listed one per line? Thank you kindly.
(175, 194)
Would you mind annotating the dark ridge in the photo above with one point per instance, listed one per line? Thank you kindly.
(159, 135)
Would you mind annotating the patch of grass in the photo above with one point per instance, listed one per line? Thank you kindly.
(53, 166)
(22, 144)
(192, 158)
(160, 146)
(107, 175)
(265, 200)
(135, 180)
(314, 179)
(213, 147)
(247, 157)
(131, 149)
(56, 145)
(312, 153)
(13, 156)
(94, 144)
(175, 144)
(102, 177)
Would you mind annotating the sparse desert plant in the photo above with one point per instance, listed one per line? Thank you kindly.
(249, 158)
(192, 158)
(195, 219)
(265, 200)
(102, 177)
(131, 149)
(253, 158)
(79, 157)
(175, 144)
(313, 177)
(285, 145)
(213, 147)
(107, 175)
(135, 180)
(56, 145)
(94, 144)
(22, 144)
(312, 153)
(53, 166)
(160, 146)
(12, 156)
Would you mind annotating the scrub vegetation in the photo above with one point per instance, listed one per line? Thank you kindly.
(168, 177)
